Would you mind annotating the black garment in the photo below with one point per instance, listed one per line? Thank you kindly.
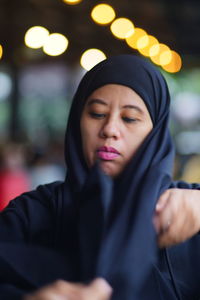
(38, 247)
(93, 226)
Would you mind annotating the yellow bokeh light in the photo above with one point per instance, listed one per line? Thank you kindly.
(1, 51)
(175, 63)
(91, 57)
(132, 39)
(55, 44)
(156, 51)
(143, 42)
(103, 14)
(72, 2)
(148, 41)
(165, 57)
(35, 37)
(122, 28)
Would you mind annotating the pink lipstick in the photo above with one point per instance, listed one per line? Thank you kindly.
(107, 153)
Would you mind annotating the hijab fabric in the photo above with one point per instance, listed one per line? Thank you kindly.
(117, 238)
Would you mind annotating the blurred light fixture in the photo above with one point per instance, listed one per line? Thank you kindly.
(142, 42)
(91, 57)
(55, 44)
(103, 14)
(36, 36)
(122, 28)
(145, 43)
(155, 52)
(1, 51)
(72, 2)
(134, 37)
(175, 63)
(165, 57)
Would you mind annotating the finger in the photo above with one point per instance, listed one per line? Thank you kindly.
(168, 239)
(180, 230)
(162, 201)
(54, 291)
(173, 227)
(45, 295)
(98, 289)
(165, 219)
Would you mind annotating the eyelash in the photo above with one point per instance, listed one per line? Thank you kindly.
(97, 116)
(101, 116)
(129, 120)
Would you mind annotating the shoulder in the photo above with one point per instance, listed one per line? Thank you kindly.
(32, 215)
(42, 198)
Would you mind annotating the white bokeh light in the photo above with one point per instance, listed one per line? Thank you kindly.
(91, 57)
(55, 44)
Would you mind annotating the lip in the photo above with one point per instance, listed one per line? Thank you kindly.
(107, 153)
(107, 149)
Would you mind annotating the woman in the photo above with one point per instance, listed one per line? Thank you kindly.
(117, 203)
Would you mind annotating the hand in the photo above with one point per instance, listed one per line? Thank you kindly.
(98, 289)
(177, 216)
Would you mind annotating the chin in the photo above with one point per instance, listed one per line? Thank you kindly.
(108, 168)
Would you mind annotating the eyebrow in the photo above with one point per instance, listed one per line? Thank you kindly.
(99, 101)
(96, 101)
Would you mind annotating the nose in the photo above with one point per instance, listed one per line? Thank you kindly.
(110, 129)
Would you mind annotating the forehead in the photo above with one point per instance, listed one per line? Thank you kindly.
(117, 94)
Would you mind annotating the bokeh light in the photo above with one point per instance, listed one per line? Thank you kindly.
(36, 36)
(142, 42)
(72, 2)
(175, 63)
(145, 43)
(1, 51)
(55, 44)
(165, 57)
(103, 14)
(91, 57)
(134, 37)
(155, 52)
(122, 28)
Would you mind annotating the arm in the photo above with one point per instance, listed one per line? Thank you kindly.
(30, 217)
(28, 220)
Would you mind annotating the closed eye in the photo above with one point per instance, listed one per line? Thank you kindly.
(96, 115)
(129, 120)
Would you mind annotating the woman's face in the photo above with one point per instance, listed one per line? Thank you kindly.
(114, 123)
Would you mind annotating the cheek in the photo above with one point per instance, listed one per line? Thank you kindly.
(135, 140)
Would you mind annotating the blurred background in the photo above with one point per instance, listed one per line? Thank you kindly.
(45, 48)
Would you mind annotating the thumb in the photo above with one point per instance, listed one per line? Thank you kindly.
(162, 201)
(99, 289)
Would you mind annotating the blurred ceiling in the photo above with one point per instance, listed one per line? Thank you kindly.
(175, 23)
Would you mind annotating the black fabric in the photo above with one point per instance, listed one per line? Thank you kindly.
(129, 231)
(91, 225)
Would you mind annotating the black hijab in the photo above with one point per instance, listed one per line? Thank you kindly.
(117, 238)
(147, 82)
